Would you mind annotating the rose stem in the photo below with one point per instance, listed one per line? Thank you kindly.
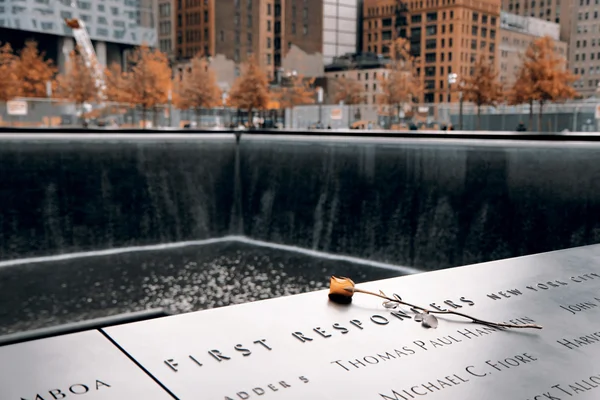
(475, 320)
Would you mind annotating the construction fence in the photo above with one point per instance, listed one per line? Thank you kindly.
(40, 113)
(47, 113)
(574, 117)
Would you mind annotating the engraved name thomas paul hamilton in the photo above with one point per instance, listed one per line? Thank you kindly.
(76, 389)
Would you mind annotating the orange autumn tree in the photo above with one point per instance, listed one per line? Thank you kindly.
(149, 81)
(9, 87)
(401, 84)
(117, 84)
(546, 73)
(198, 88)
(295, 90)
(78, 84)
(482, 87)
(522, 92)
(251, 90)
(348, 90)
(33, 71)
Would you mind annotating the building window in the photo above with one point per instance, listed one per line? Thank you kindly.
(432, 16)
(431, 30)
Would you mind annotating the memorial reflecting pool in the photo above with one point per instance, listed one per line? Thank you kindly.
(179, 280)
(427, 204)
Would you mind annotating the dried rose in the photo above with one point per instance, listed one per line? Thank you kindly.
(341, 290)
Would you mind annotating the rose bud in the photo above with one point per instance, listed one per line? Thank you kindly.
(341, 290)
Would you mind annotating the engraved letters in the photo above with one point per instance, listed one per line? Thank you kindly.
(222, 356)
(71, 391)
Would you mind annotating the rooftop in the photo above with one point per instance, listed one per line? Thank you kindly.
(352, 61)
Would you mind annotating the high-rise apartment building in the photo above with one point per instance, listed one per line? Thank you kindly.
(517, 33)
(446, 35)
(235, 29)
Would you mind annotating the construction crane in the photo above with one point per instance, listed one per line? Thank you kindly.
(86, 49)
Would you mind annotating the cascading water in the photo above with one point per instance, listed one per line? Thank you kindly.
(97, 225)
(429, 204)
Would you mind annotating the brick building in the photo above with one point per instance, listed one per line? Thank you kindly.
(230, 30)
(379, 25)
(447, 35)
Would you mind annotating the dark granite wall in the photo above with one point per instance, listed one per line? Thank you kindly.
(59, 196)
(429, 204)
(426, 204)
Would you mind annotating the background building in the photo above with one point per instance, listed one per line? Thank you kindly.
(113, 27)
(448, 37)
(340, 28)
(559, 12)
(379, 25)
(365, 68)
(579, 27)
(166, 28)
(517, 33)
(584, 46)
(280, 34)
